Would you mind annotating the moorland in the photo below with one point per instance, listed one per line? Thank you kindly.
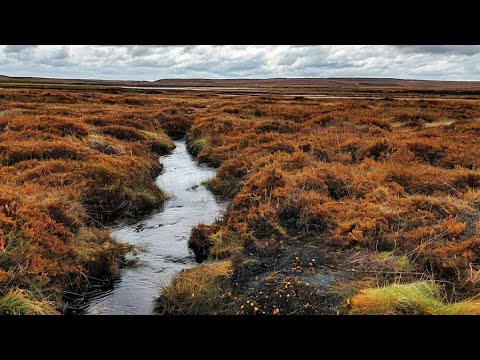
(365, 200)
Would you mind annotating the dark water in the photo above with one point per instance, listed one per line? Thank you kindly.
(163, 236)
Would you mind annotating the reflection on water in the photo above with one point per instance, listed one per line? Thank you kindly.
(162, 236)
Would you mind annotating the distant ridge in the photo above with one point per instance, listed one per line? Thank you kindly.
(350, 82)
(177, 81)
(326, 86)
(44, 80)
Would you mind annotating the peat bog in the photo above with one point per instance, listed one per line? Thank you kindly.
(335, 205)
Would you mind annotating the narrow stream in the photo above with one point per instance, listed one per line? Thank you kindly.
(162, 237)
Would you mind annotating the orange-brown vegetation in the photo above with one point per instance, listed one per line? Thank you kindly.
(198, 291)
(344, 182)
(350, 174)
(69, 163)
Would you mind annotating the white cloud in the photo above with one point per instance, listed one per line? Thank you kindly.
(138, 62)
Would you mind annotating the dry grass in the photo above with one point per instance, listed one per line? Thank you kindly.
(341, 174)
(213, 241)
(200, 290)
(350, 174)
(69, 162)
(18, 302)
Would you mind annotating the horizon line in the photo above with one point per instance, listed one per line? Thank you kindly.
(240, 78)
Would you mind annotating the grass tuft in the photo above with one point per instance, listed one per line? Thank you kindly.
(21, 302)
(199, 290)
(418, 298)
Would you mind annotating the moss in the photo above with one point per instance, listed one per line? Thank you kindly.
(419, 298)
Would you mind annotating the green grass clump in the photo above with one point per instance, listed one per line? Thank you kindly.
(419, 298)
(20, 302)
(196, 146)
(225, 244)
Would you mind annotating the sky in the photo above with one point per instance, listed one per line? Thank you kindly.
(141, 62)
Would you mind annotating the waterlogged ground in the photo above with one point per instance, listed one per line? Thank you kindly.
(162, 237)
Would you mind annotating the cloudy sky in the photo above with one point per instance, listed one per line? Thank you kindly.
(138, 62)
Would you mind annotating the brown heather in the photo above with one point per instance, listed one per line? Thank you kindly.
(353, 177)
(66, 168)
(350, 175)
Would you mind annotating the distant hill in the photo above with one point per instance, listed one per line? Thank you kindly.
(323, 82)
(357, 86)
(40, 80)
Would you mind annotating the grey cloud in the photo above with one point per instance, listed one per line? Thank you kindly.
(140, 50)
(138, 62)
(54, 57)
(60, 53)
(18, 48)
(468, 50)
